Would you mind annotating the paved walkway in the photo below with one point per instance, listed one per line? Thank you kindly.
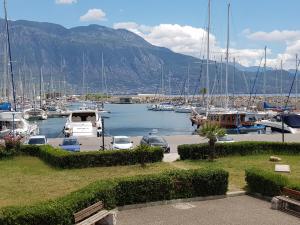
(242, 210)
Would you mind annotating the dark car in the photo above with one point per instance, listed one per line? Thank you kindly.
(152, 140)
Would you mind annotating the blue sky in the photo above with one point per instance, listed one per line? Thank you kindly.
(146, 17)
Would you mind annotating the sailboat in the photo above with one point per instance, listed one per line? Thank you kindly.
(234, 120)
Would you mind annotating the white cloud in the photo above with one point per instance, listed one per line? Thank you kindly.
(93, 15)
(65, 2)
(190, 41)
(273, 36)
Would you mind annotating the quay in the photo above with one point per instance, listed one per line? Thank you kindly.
(95, 144)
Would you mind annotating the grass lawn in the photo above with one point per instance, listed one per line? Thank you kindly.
(236, 166)
(26, 180)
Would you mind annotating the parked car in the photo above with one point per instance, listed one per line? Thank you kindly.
(225, 139)
(153, 140)
(70, 144)
(121, 142)
(37, 140)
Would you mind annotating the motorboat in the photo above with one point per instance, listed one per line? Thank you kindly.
(14, 122)
(83, 123)
(183, 109)
(289, 122)
(35, 114)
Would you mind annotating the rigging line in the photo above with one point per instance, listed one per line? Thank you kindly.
(295, 75)
(254, 82)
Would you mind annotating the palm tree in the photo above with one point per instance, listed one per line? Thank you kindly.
(211, 131)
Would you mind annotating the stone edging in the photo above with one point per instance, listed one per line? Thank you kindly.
(174, 201)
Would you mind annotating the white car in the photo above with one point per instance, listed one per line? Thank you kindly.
(121, 143)
(225, 139)
(37, 140)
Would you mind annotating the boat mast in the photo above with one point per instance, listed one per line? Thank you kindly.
(281, 81)
(227, 57)
(207, 60)
(265, 73)
(296, 81)
(9, 55)
(83, 75)
(162, 80)
(188, 83)
(41, 81)
(102, 73)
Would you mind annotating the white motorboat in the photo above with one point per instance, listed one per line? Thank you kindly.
(10, 121)
(35, 114)
(83, 123)
(291, 123)
(183, 109)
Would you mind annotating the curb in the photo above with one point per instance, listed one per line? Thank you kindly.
(175, 201)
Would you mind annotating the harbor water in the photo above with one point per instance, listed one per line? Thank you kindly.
(129, 120)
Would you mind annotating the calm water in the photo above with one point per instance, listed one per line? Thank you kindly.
(129, 120)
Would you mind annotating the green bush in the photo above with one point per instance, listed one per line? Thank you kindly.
(64, 159)
(200, 151)
(118, 192)
(264, 182)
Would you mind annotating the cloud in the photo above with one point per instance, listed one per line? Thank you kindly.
(190, 41)
(93, 15)
(273, 36)
(65, 2)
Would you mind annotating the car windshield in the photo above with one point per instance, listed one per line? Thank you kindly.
(36, 141)
(121, 140)
(158, 140)
(70, 142)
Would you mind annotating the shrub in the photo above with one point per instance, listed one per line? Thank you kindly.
(63, 159)
(123, 191)
(200, 151)
(264, 182)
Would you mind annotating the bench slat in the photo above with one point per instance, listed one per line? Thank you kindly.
(81, 215)
(290, 192)
(95, 218)
(289, 200)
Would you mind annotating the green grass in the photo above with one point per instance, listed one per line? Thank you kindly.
(26, 180)
(236, 166)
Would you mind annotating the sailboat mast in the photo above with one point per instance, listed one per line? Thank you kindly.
(83, 75)
(265, 72)
(207, 59)
(281, 91)
(102, 73)
(296, 81)
(41, 74)
(227, 57)
(9, 55)
(162, 80)
(188, 83)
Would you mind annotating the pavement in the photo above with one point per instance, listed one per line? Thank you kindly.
(94, 143)
(241, 210)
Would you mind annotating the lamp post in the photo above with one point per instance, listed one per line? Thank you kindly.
(102, 122)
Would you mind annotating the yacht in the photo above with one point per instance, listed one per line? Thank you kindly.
(183, 109)
(291, 123)
(83, 123)
(35, 114)
(10, 121)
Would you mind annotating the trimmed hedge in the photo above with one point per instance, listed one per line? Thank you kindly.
(118, 192)
(64, 159)
(201, 151)
(264, 182)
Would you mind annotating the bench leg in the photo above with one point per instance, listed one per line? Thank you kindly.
(110, 219)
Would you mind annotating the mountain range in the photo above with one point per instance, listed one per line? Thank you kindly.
(131, 64)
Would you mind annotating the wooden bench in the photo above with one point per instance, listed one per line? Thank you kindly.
(289, 201)
(95, 215)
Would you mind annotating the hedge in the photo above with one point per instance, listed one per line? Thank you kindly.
(118, 192)
(64, 159)
(200, 151)
(265, 182)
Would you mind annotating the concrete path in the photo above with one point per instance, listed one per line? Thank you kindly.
(242, 210)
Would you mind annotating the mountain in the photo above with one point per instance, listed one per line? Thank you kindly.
(131, 63)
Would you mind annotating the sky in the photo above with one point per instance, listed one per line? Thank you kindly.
(181, 24)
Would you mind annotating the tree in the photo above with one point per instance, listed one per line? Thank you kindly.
(211, 131)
